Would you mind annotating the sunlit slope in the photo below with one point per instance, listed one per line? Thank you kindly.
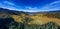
(19, 18)
(38, 19)
(41, 19)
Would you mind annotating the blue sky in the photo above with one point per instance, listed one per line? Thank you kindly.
(31, 5)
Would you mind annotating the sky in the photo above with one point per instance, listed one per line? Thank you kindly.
(30, 5)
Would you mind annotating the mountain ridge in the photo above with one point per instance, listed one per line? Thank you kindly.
(29, 18)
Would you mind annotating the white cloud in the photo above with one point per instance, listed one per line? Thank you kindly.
(14, 8)
(9, 6)
(54, 2)
(49, 7)
(31, 8)
(9, 3)
(52, 6)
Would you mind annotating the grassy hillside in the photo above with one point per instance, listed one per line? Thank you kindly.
(10, 19)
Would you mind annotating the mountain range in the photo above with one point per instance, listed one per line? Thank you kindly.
(32, 18)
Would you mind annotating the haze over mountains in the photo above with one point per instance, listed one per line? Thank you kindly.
(30, 18)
